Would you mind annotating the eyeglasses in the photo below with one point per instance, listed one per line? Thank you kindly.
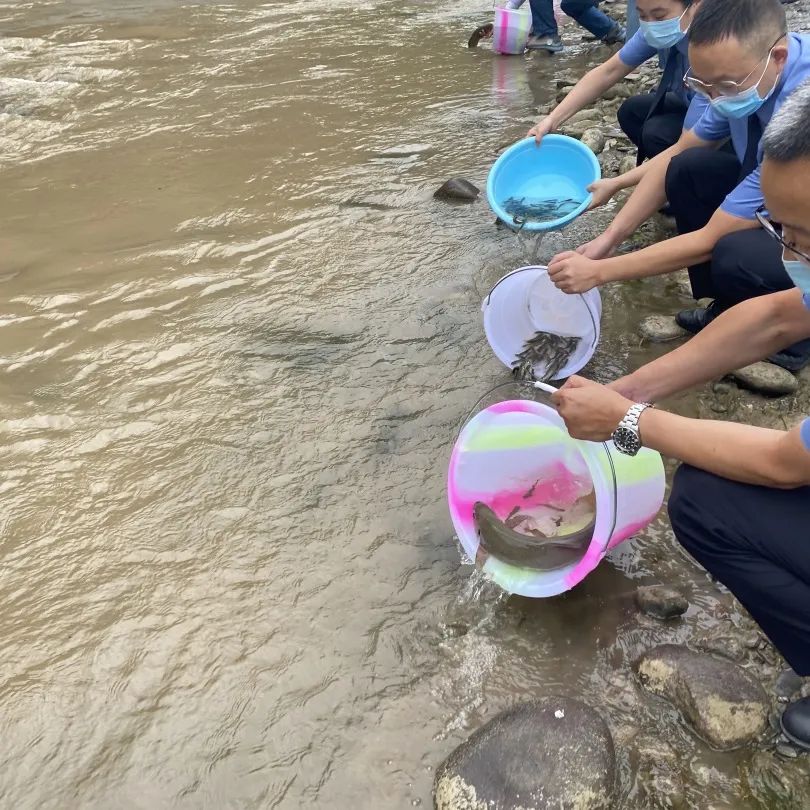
(769, 228)
(727, 87)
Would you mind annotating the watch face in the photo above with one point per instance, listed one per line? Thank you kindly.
(626, 440)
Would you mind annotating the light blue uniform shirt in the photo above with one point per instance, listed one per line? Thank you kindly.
(747, 196)
(637, 50)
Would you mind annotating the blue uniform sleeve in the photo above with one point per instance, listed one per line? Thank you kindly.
(744, 201)
(806, 433)
(697, 106)
(636, 51)
(712, 126)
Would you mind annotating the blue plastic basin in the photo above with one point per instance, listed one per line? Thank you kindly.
(560, 169)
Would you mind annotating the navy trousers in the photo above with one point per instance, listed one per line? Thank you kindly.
(657, 133)
(756, 541)
(743, 264)
(585, 12)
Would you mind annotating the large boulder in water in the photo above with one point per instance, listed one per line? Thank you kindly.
(725, 705)
(551, 753)
(457, 188)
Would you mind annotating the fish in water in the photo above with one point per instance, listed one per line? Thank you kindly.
(535, 550)
(482, 32)
(522, 210)
(546, 349)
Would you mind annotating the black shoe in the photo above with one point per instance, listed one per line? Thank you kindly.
(693, 320)
(795, 723)
(616, 35)
(792, 361)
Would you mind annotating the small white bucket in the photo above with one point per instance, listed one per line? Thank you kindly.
(525, 302)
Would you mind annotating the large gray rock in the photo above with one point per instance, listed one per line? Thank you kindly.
(551, 753)
(766, 378)
(722, 702)
(457, 188)
(776, 783)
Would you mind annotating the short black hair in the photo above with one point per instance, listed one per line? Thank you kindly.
(754, 22)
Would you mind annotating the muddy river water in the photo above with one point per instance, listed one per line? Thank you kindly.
(238, 336)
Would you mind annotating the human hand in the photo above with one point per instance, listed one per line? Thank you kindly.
(590, 411)
(541, 129)
(600, 248)
(602, 191)
(573, 273)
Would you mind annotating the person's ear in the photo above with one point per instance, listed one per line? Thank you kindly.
(780, 55)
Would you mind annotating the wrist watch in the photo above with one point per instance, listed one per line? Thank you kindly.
(626, 437)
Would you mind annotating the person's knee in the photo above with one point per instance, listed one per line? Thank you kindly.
(690, 499)
(681, 172)
(630, 116)
(726, 258)
(657, 136)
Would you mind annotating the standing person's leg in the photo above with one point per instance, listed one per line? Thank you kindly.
(697, 182)
(545, 35)
(632, 18)
(592, 19)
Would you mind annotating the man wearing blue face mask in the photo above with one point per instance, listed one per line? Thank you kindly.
(740, 503)
(746, 65)
(652, 121)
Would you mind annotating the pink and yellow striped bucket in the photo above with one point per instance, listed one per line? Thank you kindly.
(517, 446)
(511, 29)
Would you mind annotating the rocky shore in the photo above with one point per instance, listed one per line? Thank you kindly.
(724, 687)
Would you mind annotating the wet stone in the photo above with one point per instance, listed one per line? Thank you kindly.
(545, 754)
(725, 644)
(721, 701)
(787, 684)
(628, 164)
(766, 378)
(660, 328)
(594, 139)
(457, 188)
(661, 602)
(578, 129)
(780, 783)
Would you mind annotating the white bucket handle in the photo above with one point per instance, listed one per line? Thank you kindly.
(518, 270)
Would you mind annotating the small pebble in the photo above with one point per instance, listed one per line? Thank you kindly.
(786, 749)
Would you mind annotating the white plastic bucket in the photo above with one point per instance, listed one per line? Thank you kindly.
(524, 302)
(520, 447)
(511, 29)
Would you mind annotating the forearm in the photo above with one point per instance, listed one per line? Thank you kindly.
(748, 332)
(685, 250)
(744, 453)
(589, 88)
(648, 197)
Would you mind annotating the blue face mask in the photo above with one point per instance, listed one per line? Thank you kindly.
(799, 273)
(662, 34)
(746, 103)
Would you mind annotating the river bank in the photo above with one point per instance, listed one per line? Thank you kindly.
(239, 337)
